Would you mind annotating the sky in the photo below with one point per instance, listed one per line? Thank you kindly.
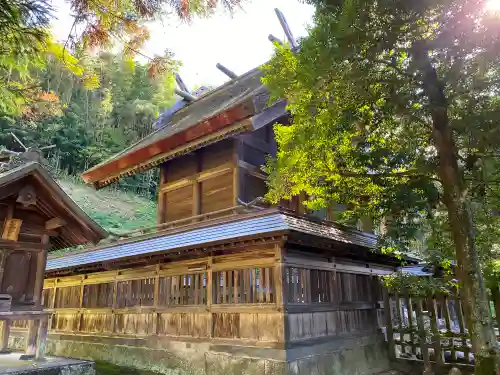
(237, 41)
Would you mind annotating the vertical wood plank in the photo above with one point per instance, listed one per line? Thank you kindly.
(31, 339)
(3, 257)
(307, 286)
(196, 198)
(422, 335)
(447, 321)
(436, 338)
(261, 286)
(388, 324)
(247, 276)
(400, 322)
(161, 195)
(461, 325)
(409, 306)
(42, 339)
(268, 284)
(252, 285)
(236, 175)
(279, 279)
(4, 342)
(209, 285)
(236, 286)
(224, 286)
(197, 288)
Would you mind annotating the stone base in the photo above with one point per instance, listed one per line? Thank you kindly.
(335, 356)
(12, 365)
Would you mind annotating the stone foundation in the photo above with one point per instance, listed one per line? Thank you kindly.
(11, 365)
(364, 355)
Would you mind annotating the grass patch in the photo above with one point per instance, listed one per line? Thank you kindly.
(106, 368)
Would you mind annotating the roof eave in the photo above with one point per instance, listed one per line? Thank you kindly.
(155, 153)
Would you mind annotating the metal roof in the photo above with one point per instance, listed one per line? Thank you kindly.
(264, 224)
(416, 270)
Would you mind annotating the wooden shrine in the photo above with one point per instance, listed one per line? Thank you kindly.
(36, 216)
(222, 277)
(223, 283)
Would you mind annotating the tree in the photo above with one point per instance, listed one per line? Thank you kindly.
(395, 108)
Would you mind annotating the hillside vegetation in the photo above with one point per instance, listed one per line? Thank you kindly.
(113, 209)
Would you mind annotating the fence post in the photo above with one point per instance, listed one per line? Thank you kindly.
(422, 337)
(436, 337)
(388, 324)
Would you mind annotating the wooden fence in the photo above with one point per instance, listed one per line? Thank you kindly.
(432, 329)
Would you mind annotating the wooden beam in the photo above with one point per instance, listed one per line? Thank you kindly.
(26, 246)
(198, 177)
(54, 223)
(254, 142)
(252, 169)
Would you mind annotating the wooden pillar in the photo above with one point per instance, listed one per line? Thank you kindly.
(42, 338)
(4, 342)
(279, 277)
(236, 182)
(161, 195)
(3, 259)
(210, 294)
(388, 324)
(41, 262)
(31, 340)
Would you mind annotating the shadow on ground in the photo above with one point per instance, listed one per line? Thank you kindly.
(106, 368)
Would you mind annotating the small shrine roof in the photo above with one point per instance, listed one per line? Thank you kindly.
(52, 202)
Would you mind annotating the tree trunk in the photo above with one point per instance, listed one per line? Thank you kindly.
(472, 288)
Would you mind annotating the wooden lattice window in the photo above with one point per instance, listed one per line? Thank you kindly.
(296, 285)
(67, 297)
(182, 290)
(132, 293)
(98, 295)
(322, 283)
(251, 285)
(47, 296)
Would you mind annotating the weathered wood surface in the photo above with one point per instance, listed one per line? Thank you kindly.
(249, 296)
(430, 328)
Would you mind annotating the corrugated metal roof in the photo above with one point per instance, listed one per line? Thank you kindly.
(272, 222)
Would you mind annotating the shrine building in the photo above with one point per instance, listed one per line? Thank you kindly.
(222, 284)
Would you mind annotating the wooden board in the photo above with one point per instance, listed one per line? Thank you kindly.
(11, 229)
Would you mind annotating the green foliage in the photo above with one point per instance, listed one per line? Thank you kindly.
(89, 125)
(417, 285)
(395, 110)
(362, 130)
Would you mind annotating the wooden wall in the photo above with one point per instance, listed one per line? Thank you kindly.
(223, 297)
(255, 296)
(198, 183)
